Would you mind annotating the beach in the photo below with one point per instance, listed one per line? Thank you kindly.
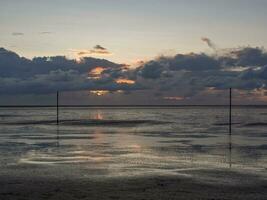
(200, 184)
(133, 153)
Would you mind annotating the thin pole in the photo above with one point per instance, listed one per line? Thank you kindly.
(230, 151)
(230, 111)
(57, 107)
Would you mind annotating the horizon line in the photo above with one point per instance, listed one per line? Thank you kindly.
(141, 105)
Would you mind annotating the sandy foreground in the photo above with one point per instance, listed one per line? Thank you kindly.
(191, 184)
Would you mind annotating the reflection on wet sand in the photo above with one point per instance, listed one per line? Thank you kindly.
(98, 115)
(143, 146)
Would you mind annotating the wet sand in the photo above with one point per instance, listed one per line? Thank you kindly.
(199, 184)
(132, 154)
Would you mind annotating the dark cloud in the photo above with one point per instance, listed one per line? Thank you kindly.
(249, 56)
(99, 47)
(259, 74)
(97, 50)
(152, 70)
(17, 34)
(163, 66)
(188, 74)
(39, 75)
(12, 65)
(181, 76)
(209, 43)
(194, 62)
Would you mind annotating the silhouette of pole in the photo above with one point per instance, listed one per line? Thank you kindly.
(230, 111)
(57, 107)
(57, 137)
(230, 151)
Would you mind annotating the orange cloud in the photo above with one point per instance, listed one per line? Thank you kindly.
(125, 81)
(258, 94)
(96, 72)
(96, 51)
(93, 52)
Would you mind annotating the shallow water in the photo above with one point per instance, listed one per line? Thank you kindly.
(133, 141)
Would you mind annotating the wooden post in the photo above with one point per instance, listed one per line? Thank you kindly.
(230, 151)
(230, 111)
(57, 107)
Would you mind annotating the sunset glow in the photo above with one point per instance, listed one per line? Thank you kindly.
(259, 94)
(131, 59)
(99, 92)
(128, 99)
(125, 81)
(96, 72)
(98, 116)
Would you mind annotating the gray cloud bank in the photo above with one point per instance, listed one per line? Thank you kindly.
(242, 68)
(19, 75)
(182, 75)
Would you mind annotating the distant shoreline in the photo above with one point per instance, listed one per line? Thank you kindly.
(124, 106)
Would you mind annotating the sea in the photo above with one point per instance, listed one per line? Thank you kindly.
(132, 141)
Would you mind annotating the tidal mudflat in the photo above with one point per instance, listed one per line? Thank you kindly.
(133, 153)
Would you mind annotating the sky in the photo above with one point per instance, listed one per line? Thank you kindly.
(141, 41)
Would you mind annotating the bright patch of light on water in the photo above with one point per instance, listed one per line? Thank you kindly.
(134, 141)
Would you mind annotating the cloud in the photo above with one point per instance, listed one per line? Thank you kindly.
(186, 75)
(151, 70)
(17, 34)
(98, 47)
(209, 43)
(96, 50)
(40, 75)
(178, 77)
(163, 66)
(249, 56)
